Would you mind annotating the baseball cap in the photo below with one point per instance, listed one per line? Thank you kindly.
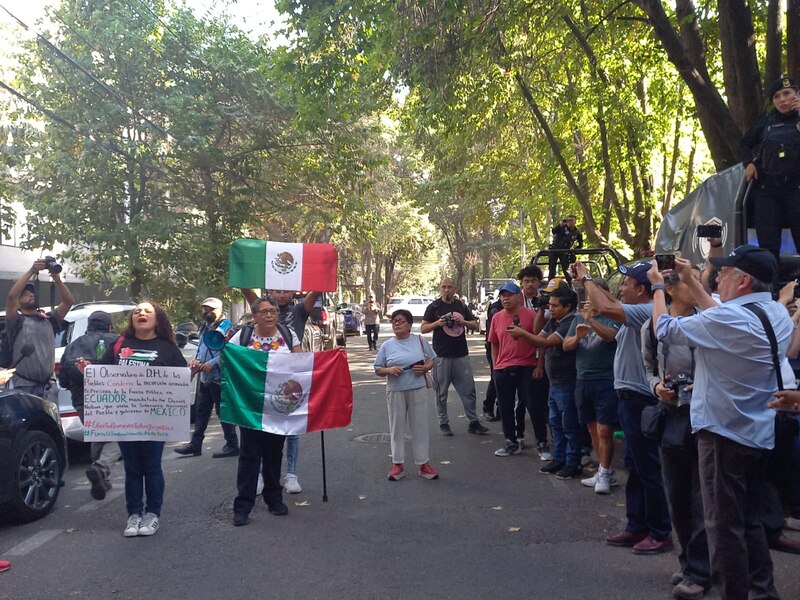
(510, 287)
(99, 319)
(638, 271)
(214, 303)
(753, 260)
(553, 285)
(29, 287)
(781, 82)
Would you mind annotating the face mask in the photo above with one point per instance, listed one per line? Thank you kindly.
(210, 318)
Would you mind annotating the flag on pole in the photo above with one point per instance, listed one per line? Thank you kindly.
(282, 266)
(286, 393)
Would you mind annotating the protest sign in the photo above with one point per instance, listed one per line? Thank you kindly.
(136, 403)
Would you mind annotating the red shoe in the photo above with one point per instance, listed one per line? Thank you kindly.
(4, 565)
(397, 472)
(428, 472)
(651, 545)
(626, 539)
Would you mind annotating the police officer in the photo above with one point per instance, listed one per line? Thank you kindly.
(777, 166)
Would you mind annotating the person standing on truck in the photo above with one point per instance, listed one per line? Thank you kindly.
(776, 167)
(566, 235)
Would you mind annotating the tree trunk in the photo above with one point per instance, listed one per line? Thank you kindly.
(739, 63)
(792, 39)
(774, 42)
(686, 53)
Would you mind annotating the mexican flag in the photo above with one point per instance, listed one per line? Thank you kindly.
(282, 266)
(285, 393)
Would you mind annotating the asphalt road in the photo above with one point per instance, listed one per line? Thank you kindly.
(488, 528)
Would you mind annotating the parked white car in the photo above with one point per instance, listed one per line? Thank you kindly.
(416, 305)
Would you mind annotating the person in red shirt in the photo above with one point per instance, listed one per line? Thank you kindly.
(514, 361)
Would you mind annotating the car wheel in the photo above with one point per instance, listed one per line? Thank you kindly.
(36, 477)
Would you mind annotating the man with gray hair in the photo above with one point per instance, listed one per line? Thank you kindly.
(740, 362)
(448, 318)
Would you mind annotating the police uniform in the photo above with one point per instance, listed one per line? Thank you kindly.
(778, 164)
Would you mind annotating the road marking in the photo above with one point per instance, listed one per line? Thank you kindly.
(33, 542)
(95, 504)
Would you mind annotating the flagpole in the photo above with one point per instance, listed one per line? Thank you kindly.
(324, 472)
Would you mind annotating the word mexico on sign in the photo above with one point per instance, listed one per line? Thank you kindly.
(136, 403)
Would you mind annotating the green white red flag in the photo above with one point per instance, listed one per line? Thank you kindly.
(286, 393)
(282, 266)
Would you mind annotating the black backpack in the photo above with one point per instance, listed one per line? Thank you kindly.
(88, 346)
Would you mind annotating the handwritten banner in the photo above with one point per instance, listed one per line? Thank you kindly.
(136, 403)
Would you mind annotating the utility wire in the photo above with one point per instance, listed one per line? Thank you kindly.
(105, 87)
(63, 122)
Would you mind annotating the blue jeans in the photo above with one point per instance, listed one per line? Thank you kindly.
(292, 449)
(564, 425)
(143, 473)
(645, 502)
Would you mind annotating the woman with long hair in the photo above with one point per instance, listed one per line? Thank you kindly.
(148, 340)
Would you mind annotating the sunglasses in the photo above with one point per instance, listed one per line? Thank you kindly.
(398, 321)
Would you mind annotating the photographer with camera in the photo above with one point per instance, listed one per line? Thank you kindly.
(670, 369)
(566, 235)
(740, 363)
(28, 326)
(448, 318)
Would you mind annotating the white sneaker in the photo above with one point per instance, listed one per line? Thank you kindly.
(132, 528)
(291, 485)
(544, 452)
(149, 524)
(260, 485)
(793, 524)
(594, 479)
(603, 485)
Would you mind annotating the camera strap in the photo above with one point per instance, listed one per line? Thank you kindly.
(773, 342)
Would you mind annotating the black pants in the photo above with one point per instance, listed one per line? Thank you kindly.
(512, 383)
(681, 474)
(208, 397)
(729, 479)
(565, 258)
(537, 405)
(778, 206)
(258, 448)
(372, 335)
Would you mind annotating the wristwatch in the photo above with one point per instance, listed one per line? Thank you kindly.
(586, 277)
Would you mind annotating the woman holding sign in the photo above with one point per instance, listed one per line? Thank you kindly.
(148, 340)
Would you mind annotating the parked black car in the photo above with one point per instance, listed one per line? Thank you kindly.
(33, 456)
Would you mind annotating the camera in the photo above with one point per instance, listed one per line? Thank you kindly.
(678, 385)
(538, 302)
(709, 231)
(665, 262)
(51, 264)
(449, 321)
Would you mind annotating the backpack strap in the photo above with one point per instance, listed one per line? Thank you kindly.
(245, 335)
(773, 342)
(286, 333)
(118, 344)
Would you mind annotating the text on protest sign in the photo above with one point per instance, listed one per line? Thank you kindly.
(136, 403)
